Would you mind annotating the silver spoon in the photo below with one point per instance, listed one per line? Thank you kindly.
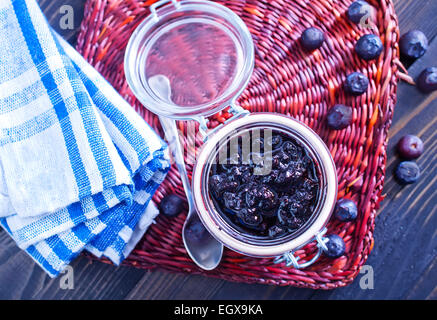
(202, 248)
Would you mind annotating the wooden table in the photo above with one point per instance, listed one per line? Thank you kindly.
(404, 256)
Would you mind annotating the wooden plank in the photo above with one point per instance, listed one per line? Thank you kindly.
(405, 239)
(417, 14)
(21, 278)
(55, 10)
(159, 284)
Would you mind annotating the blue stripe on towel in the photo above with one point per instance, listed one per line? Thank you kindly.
(37, 54)
(97, 144)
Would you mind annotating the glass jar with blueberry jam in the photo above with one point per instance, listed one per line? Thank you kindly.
(263, 184)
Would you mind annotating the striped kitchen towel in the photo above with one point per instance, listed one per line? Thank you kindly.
(78, 166)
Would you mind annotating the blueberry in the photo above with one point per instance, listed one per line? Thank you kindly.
(410, 147)
(291, 150)
(237, 171)
(407, 172)
(339, 117)
(356, 83)
(413, 44)
(232, 201)
(427, 80)
(171, 205)
(250, 218)
(292, 172)
(268, 199)
(222, 182)
(276, 141)
(345, 210)
(310, 188)
(287, 213)
(263, 197)
(195, 231)
(336, 246)
(289, 220)
(357, 10)
(312, 38)
(276, 231)
(369, 47)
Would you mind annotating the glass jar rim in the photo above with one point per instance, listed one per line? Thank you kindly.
(161, 17)
(210, 216)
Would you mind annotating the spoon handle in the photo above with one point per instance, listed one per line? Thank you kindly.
(172, 137)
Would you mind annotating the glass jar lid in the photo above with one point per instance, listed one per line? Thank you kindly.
(189, 58)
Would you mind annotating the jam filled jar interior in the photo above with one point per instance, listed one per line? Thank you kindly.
(265, 183)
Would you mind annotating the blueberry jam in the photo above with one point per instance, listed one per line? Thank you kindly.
(269, 203)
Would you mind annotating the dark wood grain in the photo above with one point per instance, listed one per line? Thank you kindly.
(52, 11)
(417, 14)
(403, 259)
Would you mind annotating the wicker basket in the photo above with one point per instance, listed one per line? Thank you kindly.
(288, 80)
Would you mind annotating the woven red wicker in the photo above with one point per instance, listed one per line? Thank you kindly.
(288, 80)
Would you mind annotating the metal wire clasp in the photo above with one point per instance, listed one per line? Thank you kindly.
(291, 260)
(155, 6)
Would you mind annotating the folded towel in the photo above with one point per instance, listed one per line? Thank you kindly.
(78, 166)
